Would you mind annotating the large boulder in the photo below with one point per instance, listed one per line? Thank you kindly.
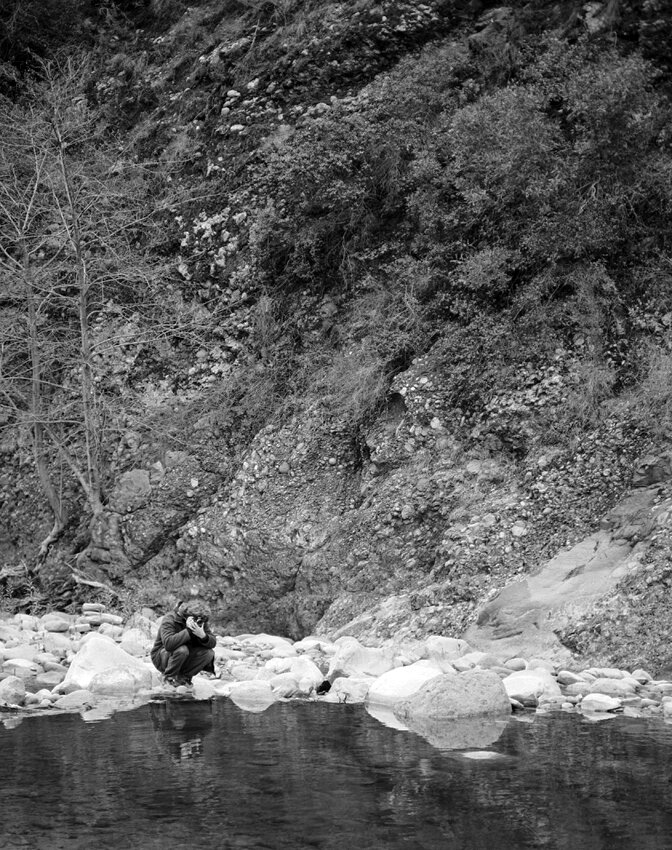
(98, 654)
(456, 695)
(402, 682)
(353, 659)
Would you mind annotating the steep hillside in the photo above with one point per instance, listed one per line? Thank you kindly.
(403, 331)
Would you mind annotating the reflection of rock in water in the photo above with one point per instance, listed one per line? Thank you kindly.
(181, 726)
(459, 734)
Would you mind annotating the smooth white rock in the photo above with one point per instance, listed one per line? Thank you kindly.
(530, 685)
(395, 685)
(444, 650)
(351, 690)
(97, 654)
(353, 659)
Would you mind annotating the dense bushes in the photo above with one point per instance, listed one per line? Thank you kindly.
(518, 216)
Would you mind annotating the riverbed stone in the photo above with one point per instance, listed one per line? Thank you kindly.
(77, 700)
(54, 623)
(642, 676)
(614, 687)
(605, 672)
(567, 677)
(27, 622)
(350, 689)
(29, 651)
(577, 689)
(111, 630)
(395, 685)
(353, 659)
(59, 644)
(514, 664)
(600, 702)
(12, 691)
(49, 679)
(474, 658)
(445, 650)
(528, 686)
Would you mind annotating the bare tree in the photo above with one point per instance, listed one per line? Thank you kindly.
(76, 276)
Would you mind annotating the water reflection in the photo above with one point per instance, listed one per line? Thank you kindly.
(330, 776)
(180, 727)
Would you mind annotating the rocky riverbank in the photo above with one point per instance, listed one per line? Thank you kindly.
(95, 663)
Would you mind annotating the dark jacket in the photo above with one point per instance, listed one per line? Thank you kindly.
(173, 632)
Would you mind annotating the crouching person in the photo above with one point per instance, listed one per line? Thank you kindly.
(184, 644)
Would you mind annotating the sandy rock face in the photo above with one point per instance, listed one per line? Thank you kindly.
(455, 695)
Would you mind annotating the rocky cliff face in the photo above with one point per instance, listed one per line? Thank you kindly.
(403, 509)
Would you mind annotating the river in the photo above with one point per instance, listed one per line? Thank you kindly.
(186, 774)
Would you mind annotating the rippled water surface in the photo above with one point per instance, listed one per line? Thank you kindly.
(199, 774)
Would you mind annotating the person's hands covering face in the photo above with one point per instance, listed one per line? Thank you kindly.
(194, 628)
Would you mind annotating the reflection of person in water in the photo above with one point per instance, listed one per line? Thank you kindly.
(180, 727)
